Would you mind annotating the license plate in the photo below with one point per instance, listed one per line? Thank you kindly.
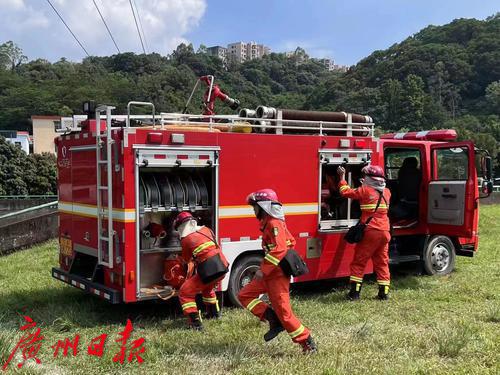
(66, 246)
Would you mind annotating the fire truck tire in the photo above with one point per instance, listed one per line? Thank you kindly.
(439, 256)
(241, 274)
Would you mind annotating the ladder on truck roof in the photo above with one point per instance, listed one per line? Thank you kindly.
(105, 233)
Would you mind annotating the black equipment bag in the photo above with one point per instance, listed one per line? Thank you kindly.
(356, 232)
(293, 265)
(211, 269)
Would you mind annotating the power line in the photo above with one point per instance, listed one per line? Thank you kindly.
(137, 26)
(140, 24)
(107, 28)
(65, 24)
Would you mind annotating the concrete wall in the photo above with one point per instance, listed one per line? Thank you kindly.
(27, 232)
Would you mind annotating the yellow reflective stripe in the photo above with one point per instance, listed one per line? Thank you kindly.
(288, 242)
(357, 279)
(297, 332)
(384, 282)
(272, 259)
(344, 187)
(202, 247)
(210, 300)
(188, 305)
(253, 303)
(364, 206)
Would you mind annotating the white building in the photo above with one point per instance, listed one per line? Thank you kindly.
(18, 138)
(241, 51)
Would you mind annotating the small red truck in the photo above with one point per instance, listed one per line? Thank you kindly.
(123, 177)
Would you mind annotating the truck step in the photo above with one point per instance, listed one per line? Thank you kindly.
(404, 259)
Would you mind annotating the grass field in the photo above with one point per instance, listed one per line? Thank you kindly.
(431, 324)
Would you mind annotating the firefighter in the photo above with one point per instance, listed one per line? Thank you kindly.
(270, 279)
(375, 242)
(199, 246)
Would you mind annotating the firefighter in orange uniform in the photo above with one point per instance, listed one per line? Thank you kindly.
(270, 279)
(375, 242)
(199, 246)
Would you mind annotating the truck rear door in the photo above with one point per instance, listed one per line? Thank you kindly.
(451, 204)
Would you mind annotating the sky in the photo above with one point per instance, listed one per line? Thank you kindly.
(344, 30)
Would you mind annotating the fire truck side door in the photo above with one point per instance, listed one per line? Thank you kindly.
(450, 205)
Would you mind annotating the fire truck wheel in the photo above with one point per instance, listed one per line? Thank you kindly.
(241, 274)
(439, 256)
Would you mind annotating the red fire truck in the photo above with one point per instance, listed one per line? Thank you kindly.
(122, 179)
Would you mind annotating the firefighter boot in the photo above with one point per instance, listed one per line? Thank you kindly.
(383, 292)
(212, 311)
(275, 326)
(309, 346)
(195, 322)
(353, 294)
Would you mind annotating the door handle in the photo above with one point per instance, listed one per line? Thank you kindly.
(449, 195)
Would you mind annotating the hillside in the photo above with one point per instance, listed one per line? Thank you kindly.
(443, 76)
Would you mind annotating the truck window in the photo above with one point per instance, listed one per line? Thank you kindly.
(404, 175)
(452, 164)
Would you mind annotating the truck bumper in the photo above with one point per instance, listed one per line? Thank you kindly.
(99, 290)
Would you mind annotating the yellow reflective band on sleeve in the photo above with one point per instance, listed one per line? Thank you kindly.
(202, 247)
(297, 332)
(253, 303)
(189, 305)
(344, 188)
(272, 259)
(210, 300)
(356, 279)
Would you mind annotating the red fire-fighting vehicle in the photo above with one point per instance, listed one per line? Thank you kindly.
(122, 179)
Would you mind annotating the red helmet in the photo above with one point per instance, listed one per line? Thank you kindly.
(174, 272)
(182, 217)
(373, 171)
(262, 195)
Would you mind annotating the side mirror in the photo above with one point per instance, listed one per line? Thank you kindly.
(486, 189)
(487, 168)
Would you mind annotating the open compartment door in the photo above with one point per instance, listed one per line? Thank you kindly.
(450, 194)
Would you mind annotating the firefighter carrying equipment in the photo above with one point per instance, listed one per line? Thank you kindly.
(199, 246)
(375, 242)
(356, 232)
(276, 240)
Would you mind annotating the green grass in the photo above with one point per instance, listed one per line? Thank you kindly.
(431, 324)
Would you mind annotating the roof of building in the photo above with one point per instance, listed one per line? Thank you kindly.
(45, 117)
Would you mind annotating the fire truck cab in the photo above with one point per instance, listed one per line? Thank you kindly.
(120, 187)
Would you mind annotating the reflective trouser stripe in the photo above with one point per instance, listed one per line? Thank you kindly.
(253, 303)
(272, 259)
(356, 279)
(384, 282)
(189, 305)
(210, 300)
(202, 247)
(297, 332)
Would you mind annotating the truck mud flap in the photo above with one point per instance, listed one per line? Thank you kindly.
(87, 286)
